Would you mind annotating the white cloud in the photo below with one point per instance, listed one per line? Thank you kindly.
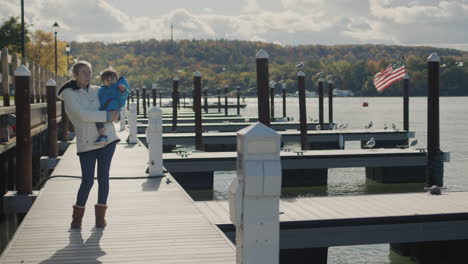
(417, 22)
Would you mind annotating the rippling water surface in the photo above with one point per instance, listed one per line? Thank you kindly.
(352, 181)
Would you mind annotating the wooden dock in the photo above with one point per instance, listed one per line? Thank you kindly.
(311, 159)
(149, 220)
(228, 127)
(290, 136)
(320, 222)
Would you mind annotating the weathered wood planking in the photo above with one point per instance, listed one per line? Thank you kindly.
(149, 220)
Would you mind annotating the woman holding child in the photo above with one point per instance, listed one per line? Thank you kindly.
(82, 105)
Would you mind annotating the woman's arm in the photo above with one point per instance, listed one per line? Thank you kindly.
(85, 115)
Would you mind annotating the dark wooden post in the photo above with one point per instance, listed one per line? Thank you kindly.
(320, 93)
(23, 131)
(183, 95)
(302, 110)
(148, 99)
(5, 78)
(52, 118)
(197, 106)
(178, 99)
(175, 91)
(226, 100)
(153, 94)
(272, 100)
(138, 100)
(330, 102)
(143, 94)
(283, 88)
(435, 168)
(406, 102)
(262, 87)
(205, 97)
(160, 98)
(38, 84)
(219, 100)
(238, 100)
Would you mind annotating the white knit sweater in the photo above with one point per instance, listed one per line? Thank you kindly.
(82, 107)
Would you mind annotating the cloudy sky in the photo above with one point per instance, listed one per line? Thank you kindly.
(287, 22)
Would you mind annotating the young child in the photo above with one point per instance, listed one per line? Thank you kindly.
(112, 97)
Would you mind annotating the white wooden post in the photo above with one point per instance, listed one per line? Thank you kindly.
(132, 121)
(254, 195)
(154, 139)
(122, 119)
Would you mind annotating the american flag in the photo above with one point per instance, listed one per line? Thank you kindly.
(393, 73)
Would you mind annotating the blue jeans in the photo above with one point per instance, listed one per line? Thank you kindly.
(88, 163)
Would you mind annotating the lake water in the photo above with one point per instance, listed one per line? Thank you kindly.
(352, 181)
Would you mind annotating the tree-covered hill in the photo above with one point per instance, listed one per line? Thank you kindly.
(232, 63)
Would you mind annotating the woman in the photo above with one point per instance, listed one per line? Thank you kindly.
(81, 105)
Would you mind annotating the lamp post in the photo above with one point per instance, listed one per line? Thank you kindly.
(56, 28)
(67, 51)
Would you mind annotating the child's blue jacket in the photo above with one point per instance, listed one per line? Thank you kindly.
(111, 98)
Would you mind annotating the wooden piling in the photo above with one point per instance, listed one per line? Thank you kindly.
(153, 94)
(51, 87)
(5, 78)
(238, 100)
(320, 93)
(160, 98)
(183, 96)
(302, 110)
(143, 94)
(37, 98)
(197, 109)
(175, 92)
(330, 102)
(262, 87)
(435, 169)
(178, 99)
(283, 88)
(23, 131)
(138, 101)
(272, 102)
(205, 97)
(226, 100)
(406, 102)
(219, 100)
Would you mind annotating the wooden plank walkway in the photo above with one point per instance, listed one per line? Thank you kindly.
(361, 219)
(149, 220)
(311, 159)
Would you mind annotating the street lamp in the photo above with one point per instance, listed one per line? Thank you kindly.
(56, 28)
(67, 51)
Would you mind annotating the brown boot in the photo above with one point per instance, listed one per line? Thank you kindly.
(100, 211)
(78, 212)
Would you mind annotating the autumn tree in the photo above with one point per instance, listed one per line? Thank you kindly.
(41, 49)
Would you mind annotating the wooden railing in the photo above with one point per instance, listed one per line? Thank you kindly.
(39, 77)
